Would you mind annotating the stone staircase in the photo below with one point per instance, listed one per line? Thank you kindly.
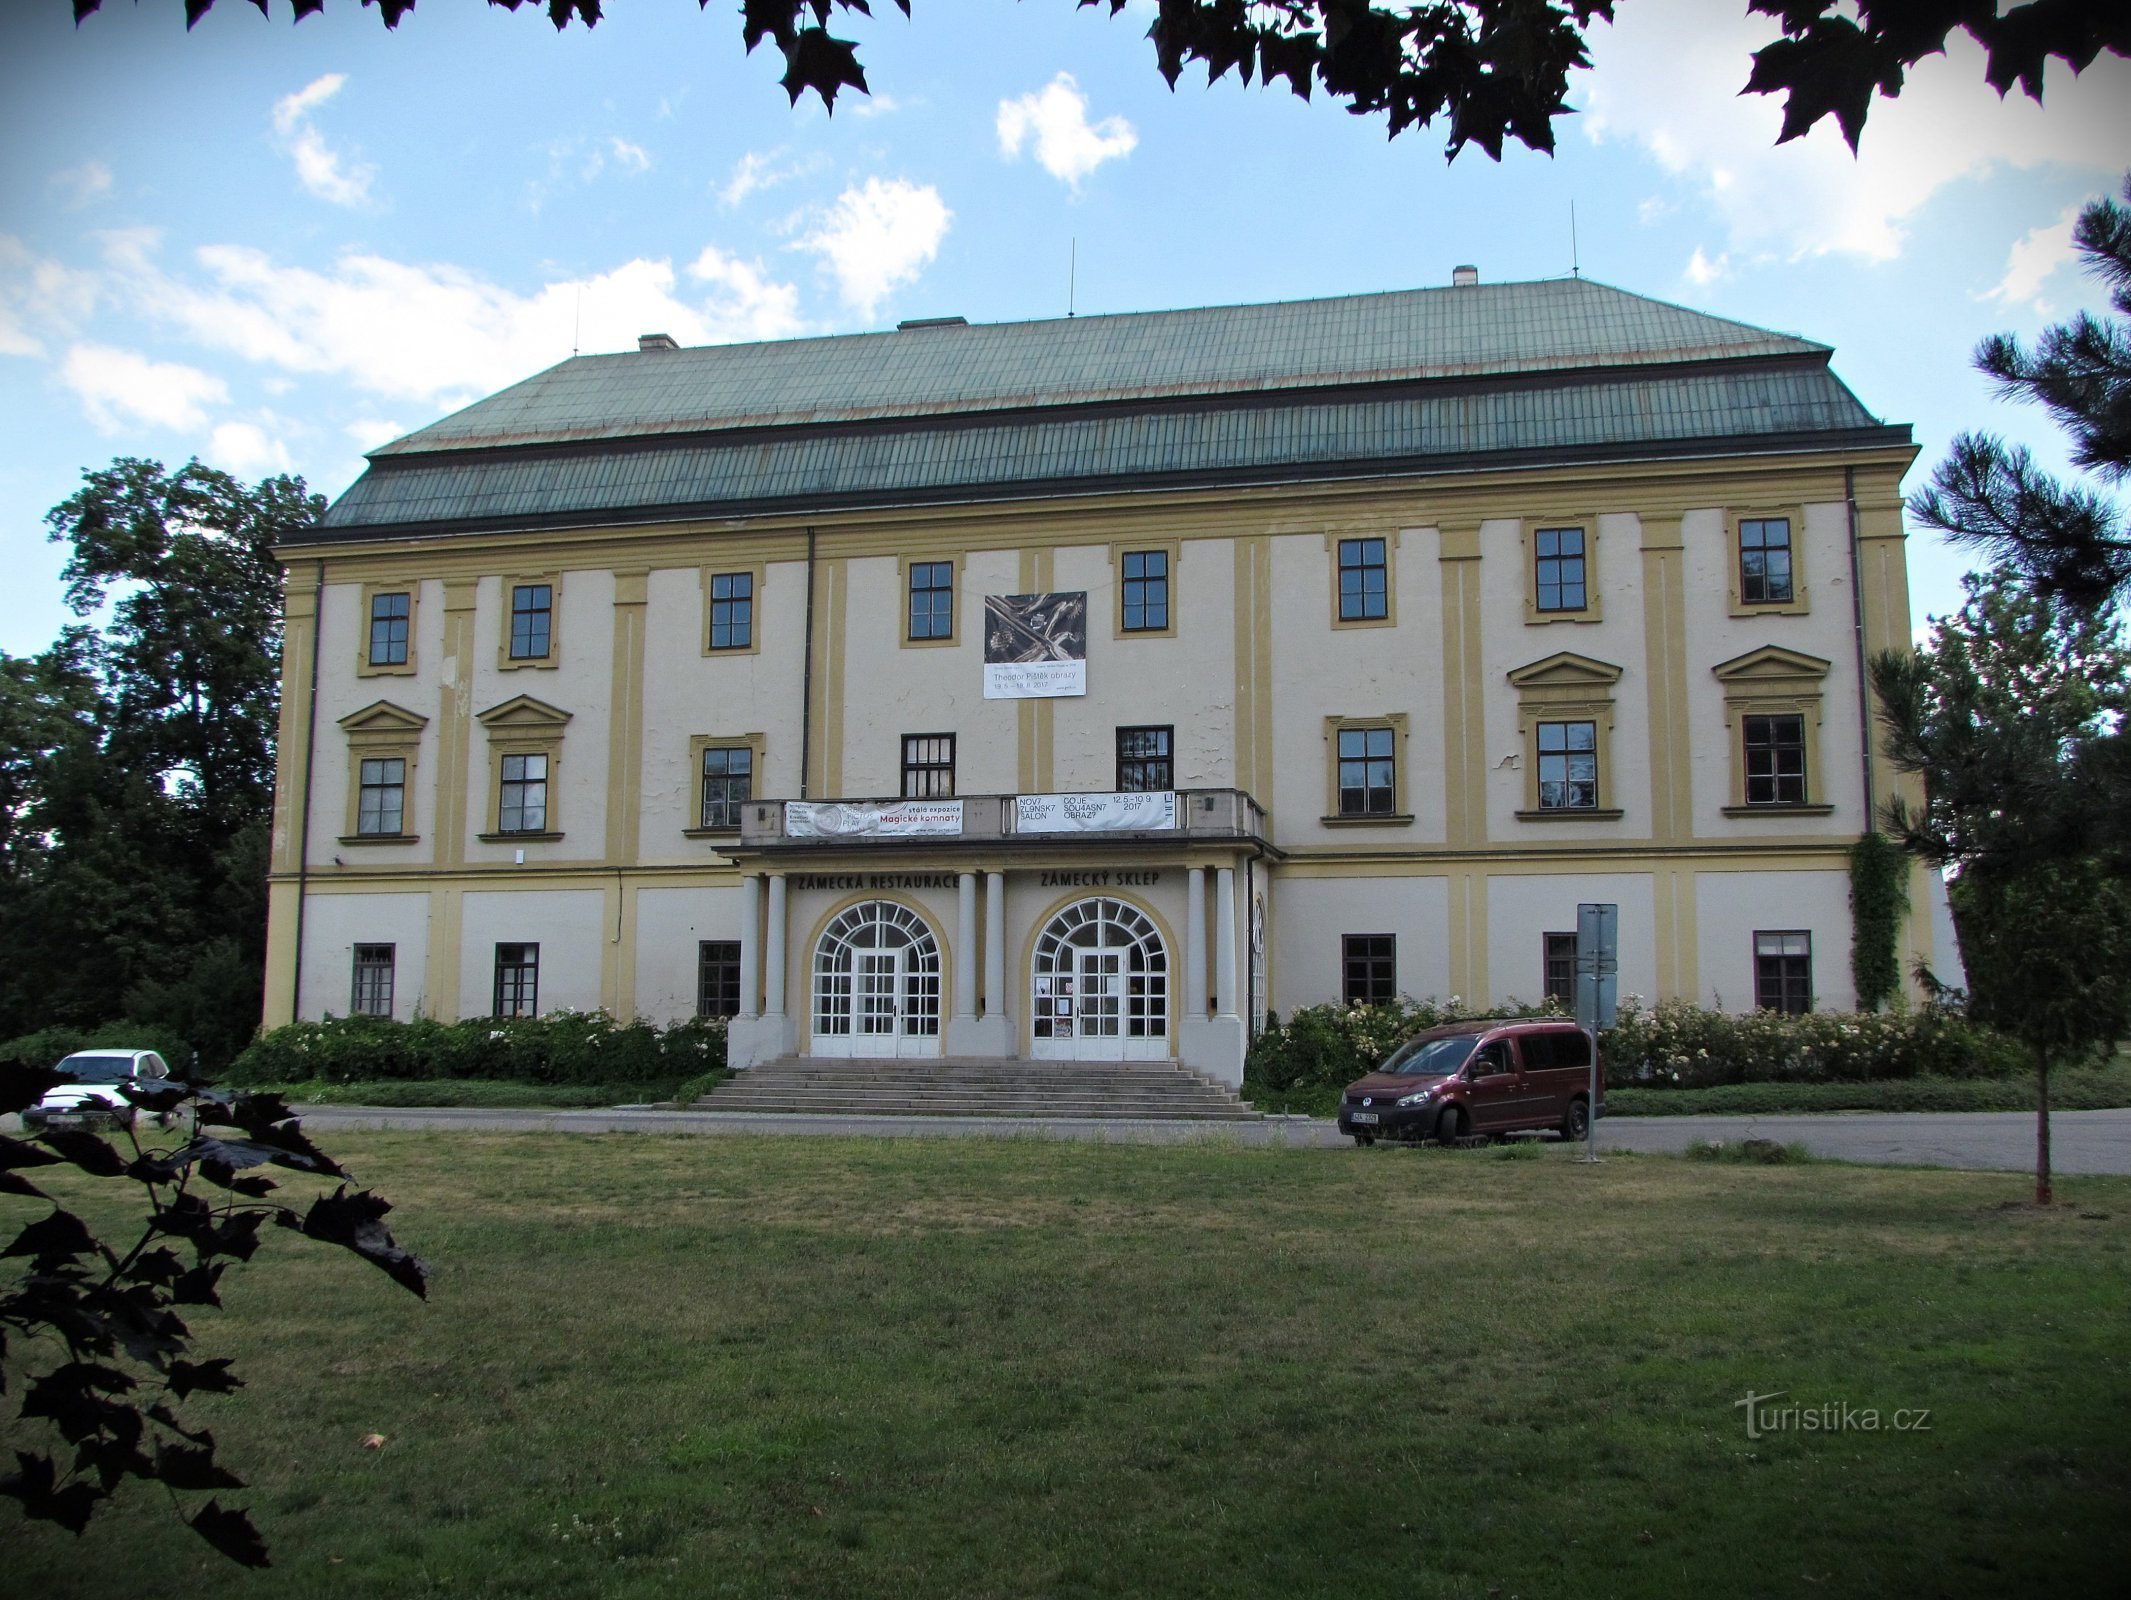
(969, 1086)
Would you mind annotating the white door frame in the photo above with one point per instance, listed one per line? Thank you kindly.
(1099, 985)
(866, 942)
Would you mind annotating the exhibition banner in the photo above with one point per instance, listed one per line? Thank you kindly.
(1035, 645)
(1095, 813)
(889, 819)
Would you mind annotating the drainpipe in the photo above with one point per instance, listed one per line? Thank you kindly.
(806, 680)
(1857, 622)
(303, 822)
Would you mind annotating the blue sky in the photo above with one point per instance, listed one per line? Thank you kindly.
(275, 246)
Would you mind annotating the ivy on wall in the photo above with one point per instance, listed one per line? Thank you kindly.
(1879, 898)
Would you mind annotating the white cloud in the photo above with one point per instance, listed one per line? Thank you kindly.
(246, 449)
(319, 167)
(435, 333)
(878, 237)
(38, 296)
(1702, 272)
(370, 432)
(765, 169)
(2034, 257)
(633, 156)
(875, 104)
(1666, 76)
(84, 183)
(747, 305)
(1055, 117)
(119, 388)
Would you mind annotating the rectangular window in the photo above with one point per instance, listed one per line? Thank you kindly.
(718, 978)
(1367, 773)
(932, 599)
(928, 766)
(1568, 766)
(373, 981)
(532, 620)
(1364, 586)
(1558, 554)
(1146, 591)
(1775, 760)
(1559, 957)
(1143, 759)
(389, 614)
(1765, 561)
(524, 807)
(517, 980)
(732, 611)
(1369, 968)
(728, 784)
(1783, 972)
(381, 807)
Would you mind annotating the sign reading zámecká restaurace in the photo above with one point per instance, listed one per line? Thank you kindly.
(1035, 645)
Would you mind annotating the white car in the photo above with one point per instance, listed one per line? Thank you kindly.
(93, 1095)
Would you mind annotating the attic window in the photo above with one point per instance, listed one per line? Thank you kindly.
(656, 341)
(1464, 277)
(931, 322)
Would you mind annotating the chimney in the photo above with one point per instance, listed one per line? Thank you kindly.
(1464, 277)
(656, 341)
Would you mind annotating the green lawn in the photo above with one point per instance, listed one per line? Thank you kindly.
(762, 1366)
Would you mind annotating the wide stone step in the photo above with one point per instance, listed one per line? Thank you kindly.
(976, 1086)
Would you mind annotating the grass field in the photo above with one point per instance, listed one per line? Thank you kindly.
(864, 1368)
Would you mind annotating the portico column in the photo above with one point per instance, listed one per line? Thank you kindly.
(995, 945)
(750, 943)
(1195, 943)
(774, 952)
(966, 947)
(1224, 911)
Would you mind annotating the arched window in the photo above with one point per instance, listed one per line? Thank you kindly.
(877, 984)
(1100, 987)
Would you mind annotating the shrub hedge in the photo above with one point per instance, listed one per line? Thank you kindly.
(1674, 1045)
(47, 1046)
(575, 1047)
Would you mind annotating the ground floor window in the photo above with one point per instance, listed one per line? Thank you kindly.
(1369, 968)
(517, 980)
(1100, 986)
(718, 978)
(877, 984)
(1783, 972)
(1559, 959)
(373, 981)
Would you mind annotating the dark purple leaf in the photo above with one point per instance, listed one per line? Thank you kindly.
(86, 1151)
(189, 1467)
(35, 1486)
(23, 1087)
(59, 1236)
(355, 1222)
(232, 1533)
(207, 1377)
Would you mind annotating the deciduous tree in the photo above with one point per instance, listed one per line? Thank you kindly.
(1494, 69)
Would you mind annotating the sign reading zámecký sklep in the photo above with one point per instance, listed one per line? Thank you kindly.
(807, 819)
(1035, 645)
(1095, 813)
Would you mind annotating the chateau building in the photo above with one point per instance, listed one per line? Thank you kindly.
(1088, 688)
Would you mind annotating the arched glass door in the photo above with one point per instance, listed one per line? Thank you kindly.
(1100, 987)
(877, 984)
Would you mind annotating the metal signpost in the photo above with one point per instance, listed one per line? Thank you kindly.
(1597, 993)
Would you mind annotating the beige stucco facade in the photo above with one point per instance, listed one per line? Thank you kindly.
(1254, 676)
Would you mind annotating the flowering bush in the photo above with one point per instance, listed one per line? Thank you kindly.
(1674, 1044)
(561, 1047)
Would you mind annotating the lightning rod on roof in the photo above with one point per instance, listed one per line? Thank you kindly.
(1072, 273)
(1575, 262)
(577, 321)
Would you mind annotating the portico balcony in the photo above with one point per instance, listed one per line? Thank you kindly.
(1170, 817)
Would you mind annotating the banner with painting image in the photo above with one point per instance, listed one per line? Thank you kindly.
(1035, 645)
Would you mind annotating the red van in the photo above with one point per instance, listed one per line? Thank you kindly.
(1477, 1077)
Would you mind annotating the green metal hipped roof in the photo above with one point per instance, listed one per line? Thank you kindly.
(1423, 380)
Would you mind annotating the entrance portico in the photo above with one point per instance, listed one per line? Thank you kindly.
(983, 943)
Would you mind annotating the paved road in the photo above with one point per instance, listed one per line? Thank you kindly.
(2082, 1141)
